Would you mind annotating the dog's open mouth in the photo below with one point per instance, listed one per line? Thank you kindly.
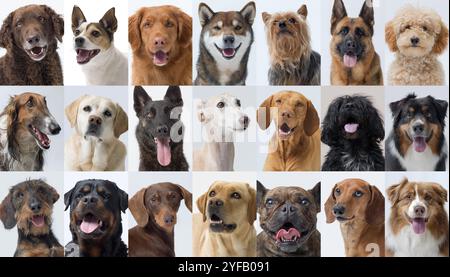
(420, 143)
(228, 53)
(350, 59)
(160, 58)
(37, 53)
(418, 224)
(84, 55)
(42, 139)
(288, 234)
(351, 127)
(90, 224)
(216, 224)
(285, 131)
(163, 151)
(38, 220)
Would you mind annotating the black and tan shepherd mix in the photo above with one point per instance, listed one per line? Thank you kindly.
(354, 60)
(29, 205)
(95, 219)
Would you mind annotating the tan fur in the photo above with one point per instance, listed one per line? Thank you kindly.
(301, 150)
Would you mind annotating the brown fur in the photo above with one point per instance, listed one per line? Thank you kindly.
(365, 224)
(178, 41)
(301, 150)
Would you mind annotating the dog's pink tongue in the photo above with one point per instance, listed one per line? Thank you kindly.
(82, 55)
(163, 151)
(287, 235)
(419, 144)
(38, 220)
(351, 127)
(418, 225)
(160, 58)
(89, 225)
(349, 61)
(228, 52)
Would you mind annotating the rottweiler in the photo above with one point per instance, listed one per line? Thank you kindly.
(95, 219)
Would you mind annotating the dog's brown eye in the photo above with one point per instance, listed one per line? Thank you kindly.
(344, 31)
(77, 32)
(147, 25)
(107, 113)
(19, 24)
(30, 103)
(217, 28)
(95, 34)
(357, 193)
(237, 28)
(269, 202)
(292, 20)
(220, 105)
(19, 195)
(151, 114)
(407, 27)
(278, 101)
(304, 202)
(236, 195)
(42, 19)
(337, 191)
(169, 24)
(87, 108)
(425, 28)
(359, 32)
(212, 194)
(299, 104)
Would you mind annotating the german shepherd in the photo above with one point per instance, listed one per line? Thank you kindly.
(354, 60)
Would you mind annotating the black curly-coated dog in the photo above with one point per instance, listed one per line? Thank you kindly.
(353, 129)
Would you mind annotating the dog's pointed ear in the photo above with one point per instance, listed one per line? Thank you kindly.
(134, 30)
(68, 197)
(390, 36)
(251, 207)
(184, 29)
(374, 214)
(329, 204)
(366, 14)
(303, 12)
(338, 14)
(120, 121)
(7, 211)
(71, 111)
(77, 18)
(141, 98)
(187, 196)
(441, 106)
(261, 192)
(266, 17)
(249, 12)
(6, 35)
(441, 40)
(201, 204)
(109, 20)
(315, 192)
(57, 22)
(173, 94)
(263, 115)
(205, 13)
(138, 209)
(393, 192)
(312, 121)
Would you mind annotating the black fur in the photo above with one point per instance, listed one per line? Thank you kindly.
(147, 129)
(359, 151)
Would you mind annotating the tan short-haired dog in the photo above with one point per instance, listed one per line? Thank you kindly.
(296, 144)
(224, 227)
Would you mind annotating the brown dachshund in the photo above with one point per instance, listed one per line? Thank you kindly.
(359, 208)
(155, 210)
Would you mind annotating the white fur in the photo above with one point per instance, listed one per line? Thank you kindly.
(415, 161)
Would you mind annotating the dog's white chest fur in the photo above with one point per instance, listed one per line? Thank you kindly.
(415, 161)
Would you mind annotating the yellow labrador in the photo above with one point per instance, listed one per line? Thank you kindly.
(224, 227)
(98, 122)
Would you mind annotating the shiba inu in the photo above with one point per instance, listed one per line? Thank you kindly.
(101, 62)
(225, 43)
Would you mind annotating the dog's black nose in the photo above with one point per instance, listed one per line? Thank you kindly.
(35, 206)
(55, 129)
(89, 199)
(79, 41)
(169, 219)
(338, 210)
(228, 39)
(281, 24)
(288, 208)
(350, 43)
(419, 211)
(415, 40)
(418, 128)
(162, 130)
(95, 120)
(33, 40)
(217, 203)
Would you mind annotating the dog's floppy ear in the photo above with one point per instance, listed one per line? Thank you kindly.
(376, 124)
(187, 196)
(7, 211)
(303, 11)
(77, 18)
(315, 192)
(396, 106)
(71, 111)
(200, 111)
(375, 208)
(263, 116)
(205, 13)
(141, 98)
(134, 31)
(393, 192)
(120, 122)
(138, 208)
(441, 192)
(366, 14)
(6, 35)
(68, 197)
(441, 40)
(249, 12)
(329, 132)
(52, 192)
(57, 22)
(173, 94)
(251, 210)
(123, 198)
(338, 14)
(184, 29)
(329, 204)
(109, 20)
(11, 126)
(311, 122)
(201, 204)
(261, 192)
(390, 37)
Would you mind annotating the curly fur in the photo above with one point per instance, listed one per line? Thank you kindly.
(359, 151)
(416, 65)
